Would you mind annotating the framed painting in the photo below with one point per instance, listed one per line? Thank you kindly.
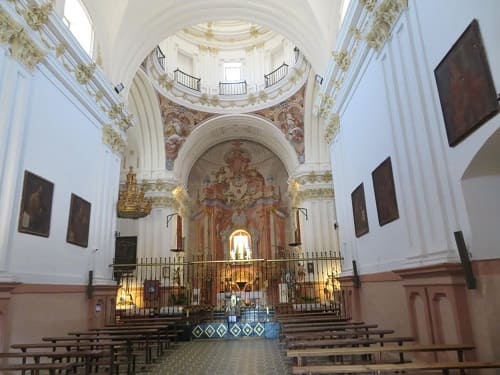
(359, 211)
(78, 222)
(385, 193)
(310, 267)
(465, 85)
(36, 205)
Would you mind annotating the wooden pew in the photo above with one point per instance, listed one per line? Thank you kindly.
(328, 327)
(52, 368)
(341, 353)
(73, 355)
(444, 367)
(337, 334)
(110, 345)
(323, 343)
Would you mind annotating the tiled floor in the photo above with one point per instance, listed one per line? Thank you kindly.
(249, 356)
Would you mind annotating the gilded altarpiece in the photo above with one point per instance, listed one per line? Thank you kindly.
(240, 216)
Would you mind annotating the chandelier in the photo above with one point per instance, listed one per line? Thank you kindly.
(131, 201)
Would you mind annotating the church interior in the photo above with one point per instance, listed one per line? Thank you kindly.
(240, 168)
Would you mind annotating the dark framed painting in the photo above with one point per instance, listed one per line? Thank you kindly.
(78, 222)
(465, 85)
(36, 205)
(385, 193)
(310, 267)
(359, 211)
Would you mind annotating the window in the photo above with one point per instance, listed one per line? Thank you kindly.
(232, 71)
(78, 21)
(240, 245)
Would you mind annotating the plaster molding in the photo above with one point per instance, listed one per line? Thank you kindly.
(164, 202)
(313, 177)
(20, 44)
(319, 193)
(113, 139)
(384, 17)
(158, 186)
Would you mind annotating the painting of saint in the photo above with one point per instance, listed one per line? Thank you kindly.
(359, 211)
(36, 205)
(78, 222)
(385, 193)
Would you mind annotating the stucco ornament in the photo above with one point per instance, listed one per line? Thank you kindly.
(384, 17)
(368, 4)
(332, 127)
(21, 46)
(325, 105)
(36, 15)
(111, 137)
(321, 193)
(342, 59)
(84, 73)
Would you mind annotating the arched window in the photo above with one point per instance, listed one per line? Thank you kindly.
(240, 245)
(78, 21)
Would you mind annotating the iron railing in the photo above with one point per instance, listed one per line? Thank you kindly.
(233, 88)
(160, 56)
(276, 75)
(169, 286)
(187, 80)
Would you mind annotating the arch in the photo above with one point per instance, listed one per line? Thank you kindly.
(315, 36)
(228, 127)
(79, 21)
(480, 186)
(148, 134)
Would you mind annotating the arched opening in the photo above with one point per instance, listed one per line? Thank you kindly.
(481, 184)
(75, 16)
(240, 245)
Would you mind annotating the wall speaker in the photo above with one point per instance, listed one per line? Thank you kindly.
(470, 280)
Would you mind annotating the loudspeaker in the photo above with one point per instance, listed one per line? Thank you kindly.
(89, 285)
(357, 281)
(470, 280)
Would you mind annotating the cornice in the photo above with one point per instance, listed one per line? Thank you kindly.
(318, 193)
(20, 44)
(36, 35)
(368, 26)
(113, 139)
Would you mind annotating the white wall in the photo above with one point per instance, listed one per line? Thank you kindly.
(51, 134)
(393, 110)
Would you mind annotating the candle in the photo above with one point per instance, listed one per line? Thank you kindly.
(267, 310)
(187, 313)
(179, 231)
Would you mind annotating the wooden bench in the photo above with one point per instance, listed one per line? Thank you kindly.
(444, 367)
(299, 354)
(337, 334)
(322, 343)
(35, 368)
(328, 327)
(111, 345)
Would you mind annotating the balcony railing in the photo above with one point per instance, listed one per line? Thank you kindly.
(276, 75)
(160, 56)
(187, 80)
(233, 88)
